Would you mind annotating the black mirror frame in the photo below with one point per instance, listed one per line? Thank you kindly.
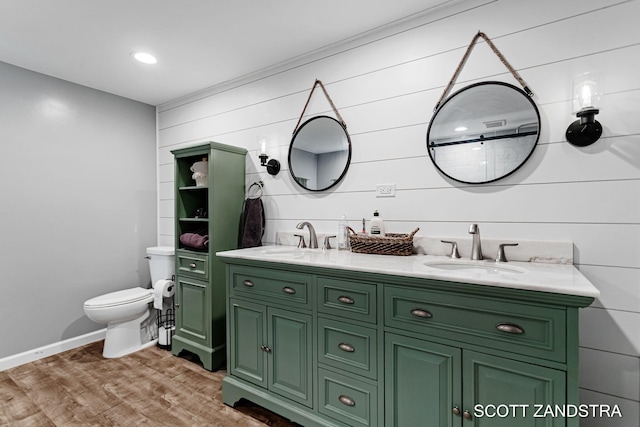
(524, 94)
(346, 168)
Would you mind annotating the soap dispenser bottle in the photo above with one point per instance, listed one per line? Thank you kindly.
(343, 233)
(377, 225)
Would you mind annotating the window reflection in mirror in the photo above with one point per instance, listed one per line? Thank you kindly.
(483, 132)
(320, 153)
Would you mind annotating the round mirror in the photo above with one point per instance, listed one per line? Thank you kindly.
(483, 132)
(320, 153)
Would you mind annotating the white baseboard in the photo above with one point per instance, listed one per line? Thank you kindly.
(51, 349)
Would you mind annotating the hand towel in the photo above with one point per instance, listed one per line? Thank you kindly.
(252, 223)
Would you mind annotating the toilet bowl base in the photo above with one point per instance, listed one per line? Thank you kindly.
(124, 338)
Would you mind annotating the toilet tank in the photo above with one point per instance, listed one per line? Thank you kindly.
(161, 262)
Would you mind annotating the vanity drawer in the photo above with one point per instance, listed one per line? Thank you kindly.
(192, 264)
(355, 300)
(350, 401)
(349, 347)
(269, 284)
(532, 330)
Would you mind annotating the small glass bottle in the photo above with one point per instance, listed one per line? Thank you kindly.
(343, 233)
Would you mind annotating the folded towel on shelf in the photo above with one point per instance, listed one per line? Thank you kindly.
(252, 223)
(194, 240)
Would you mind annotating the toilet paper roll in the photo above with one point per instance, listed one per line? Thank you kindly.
(162, 289)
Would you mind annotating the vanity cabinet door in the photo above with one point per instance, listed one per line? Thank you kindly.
(289, 353)
(422, 383)
(248, 336)
(520, 388)
(272, 348)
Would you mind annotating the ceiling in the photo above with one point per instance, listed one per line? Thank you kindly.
(198, 43)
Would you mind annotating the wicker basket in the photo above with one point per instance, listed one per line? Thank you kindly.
(390, 244)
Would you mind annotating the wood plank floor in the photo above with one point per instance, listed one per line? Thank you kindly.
(148, 388)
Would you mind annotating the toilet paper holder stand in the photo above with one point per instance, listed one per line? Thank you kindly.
(166, 322)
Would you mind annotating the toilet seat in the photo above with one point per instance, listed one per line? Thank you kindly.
(114, 299)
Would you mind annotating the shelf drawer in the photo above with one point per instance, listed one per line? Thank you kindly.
(193, 264)
(269, 284)
(532, 330)
(349, 347)
(355, 300)
(347, 400)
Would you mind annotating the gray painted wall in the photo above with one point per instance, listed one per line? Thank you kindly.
(78, 208)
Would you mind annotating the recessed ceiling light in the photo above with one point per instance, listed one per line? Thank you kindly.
(144, 57)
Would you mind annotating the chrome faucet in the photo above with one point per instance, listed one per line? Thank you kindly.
(313, 239)
(476, 248)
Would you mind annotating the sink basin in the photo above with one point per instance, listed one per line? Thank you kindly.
(281, 251)
(289, 252)
(486, 267)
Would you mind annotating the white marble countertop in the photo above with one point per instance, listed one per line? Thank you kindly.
(543, 277)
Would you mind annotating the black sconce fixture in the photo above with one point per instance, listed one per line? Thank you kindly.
(587, 129)
(273, 165)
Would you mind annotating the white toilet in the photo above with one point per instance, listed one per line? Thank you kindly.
(127, 313)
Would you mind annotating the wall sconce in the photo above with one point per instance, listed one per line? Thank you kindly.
(586, 98)
(273, 166)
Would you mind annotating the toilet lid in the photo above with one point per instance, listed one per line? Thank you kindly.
(119, 297)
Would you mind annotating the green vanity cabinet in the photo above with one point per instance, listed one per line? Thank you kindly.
(212, 210)
(372, 349)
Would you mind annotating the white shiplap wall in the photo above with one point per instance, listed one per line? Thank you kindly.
(386, 84)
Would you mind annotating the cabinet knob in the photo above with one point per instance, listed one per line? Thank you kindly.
(346, 347)
(456, 410)
(265, 349)
(346, 300)
(248, 283)
(192, 265)
(288, 290)
(509, 328)
(346, 400)
(466, 415)
(177, 305)
(418, 312)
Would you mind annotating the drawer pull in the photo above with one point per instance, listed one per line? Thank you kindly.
(346, 400)
(248, 283)
(346, 347)
(418, 312)
(288, 290)
(346, 300)
(192, 265)
(509, 328)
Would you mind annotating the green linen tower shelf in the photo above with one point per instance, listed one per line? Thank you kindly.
(214, 210)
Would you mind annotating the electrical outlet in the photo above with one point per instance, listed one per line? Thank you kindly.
(385, 190)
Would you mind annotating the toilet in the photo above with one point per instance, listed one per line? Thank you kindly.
(128, 314)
